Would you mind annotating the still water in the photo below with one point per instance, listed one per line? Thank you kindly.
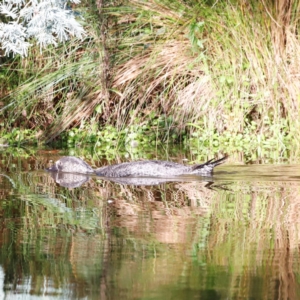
(235, 235)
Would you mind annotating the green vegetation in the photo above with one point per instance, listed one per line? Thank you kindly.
(220, 75)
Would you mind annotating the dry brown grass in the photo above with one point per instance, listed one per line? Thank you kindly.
(161, 80)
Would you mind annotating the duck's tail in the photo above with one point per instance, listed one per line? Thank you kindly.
(207, 168)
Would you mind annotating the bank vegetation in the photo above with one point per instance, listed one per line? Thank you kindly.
(217, 74)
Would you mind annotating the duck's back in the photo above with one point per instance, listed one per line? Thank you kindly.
(147, 168)
(151, 168)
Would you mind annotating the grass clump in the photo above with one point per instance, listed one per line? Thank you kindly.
(221, 74)
(222, 71)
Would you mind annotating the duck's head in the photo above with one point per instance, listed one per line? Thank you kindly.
(56, 167)
(71, 164)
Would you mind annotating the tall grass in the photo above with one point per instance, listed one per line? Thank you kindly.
(212, 68)
(56, 89)
(223, 68)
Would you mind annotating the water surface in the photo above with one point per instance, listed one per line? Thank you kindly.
(232, 236)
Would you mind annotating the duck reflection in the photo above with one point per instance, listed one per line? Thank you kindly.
(71, 180)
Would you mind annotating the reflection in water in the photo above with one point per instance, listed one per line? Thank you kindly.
(9, 179)
(71, 180)
(178, 240)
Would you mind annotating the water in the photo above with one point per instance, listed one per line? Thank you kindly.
(233, 236)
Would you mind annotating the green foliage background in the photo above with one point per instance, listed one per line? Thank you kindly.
(211, 74)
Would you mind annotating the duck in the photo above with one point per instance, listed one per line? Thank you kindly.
(142, 168)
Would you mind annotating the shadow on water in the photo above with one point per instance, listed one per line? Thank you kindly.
(231, 236)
